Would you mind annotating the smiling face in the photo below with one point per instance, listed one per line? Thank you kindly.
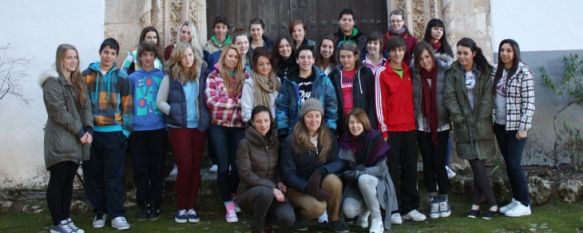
(107, 57)
(263, 66)
(354, 126)
(397, 54)
(71, 61)
(397, 22)
(465, 57)
(506, 55)
(185, 34)
(313, 121)
(347, 59)
(426, 61)
(231, 59)
(284, 49)
(151, 37)
(256, 31)
(298, 34)
(242, 43)
(220, 31)
(327, 49)
(373, 47)
(262, 123)
(346, 23)
(188, 58)
(305, 60)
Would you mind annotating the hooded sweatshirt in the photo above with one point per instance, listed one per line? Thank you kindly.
(144, 88)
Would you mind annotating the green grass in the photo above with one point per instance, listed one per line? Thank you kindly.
(552, 217)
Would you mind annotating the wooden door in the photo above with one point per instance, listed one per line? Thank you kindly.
(321, 16)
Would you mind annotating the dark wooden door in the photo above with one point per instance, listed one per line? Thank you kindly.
(321, 16)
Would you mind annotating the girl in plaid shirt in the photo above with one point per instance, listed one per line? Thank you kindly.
(223, 98)
(513, 91)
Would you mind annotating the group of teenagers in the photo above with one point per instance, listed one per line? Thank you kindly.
(327, 131)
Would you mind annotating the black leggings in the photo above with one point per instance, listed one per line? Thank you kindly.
(482, 184)
(60, 190)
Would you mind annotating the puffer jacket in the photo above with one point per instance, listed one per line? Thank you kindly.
(443, 113)
(257, 160)
(66, 123)
(287, 103)
(473, 132)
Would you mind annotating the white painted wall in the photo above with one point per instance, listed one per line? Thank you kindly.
(539, 25)
(35, 28)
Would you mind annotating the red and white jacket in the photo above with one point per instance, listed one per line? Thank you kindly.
(224, 108)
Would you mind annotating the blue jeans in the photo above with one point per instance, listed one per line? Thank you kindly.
(103, 173)
(511, 149)
(225, 141)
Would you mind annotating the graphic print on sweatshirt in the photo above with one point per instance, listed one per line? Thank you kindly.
(145, 94)
(305, 88)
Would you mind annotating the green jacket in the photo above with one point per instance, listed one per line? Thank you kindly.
(472, 129)
(66, 122)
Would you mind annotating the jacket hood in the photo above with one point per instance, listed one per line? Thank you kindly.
(95, 67)
(256, 139)
(46, 75)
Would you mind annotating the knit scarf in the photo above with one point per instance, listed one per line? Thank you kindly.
(429, 100)
(368, 147)
(436, 46)
(263, 86)
(399, 32)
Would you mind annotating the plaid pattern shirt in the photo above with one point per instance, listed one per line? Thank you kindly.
(225, 108)
(519, 99)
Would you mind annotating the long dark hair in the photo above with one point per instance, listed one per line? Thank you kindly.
(275, 51)
(445, 48)
(500, 68)
(421, 46)
(319, 58)
(479, 59)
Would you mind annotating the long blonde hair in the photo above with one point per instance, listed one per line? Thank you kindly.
(239, 71)
(194, 39)
(301, 139)
(75, 76)
(176, 70)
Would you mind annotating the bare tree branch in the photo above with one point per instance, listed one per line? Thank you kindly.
(10, 70)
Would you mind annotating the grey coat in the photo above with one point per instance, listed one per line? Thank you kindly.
(443, 113)
(66, 122)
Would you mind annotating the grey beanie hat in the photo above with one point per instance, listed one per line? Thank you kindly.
(311, 104)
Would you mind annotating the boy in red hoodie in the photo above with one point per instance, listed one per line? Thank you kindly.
(394, 96)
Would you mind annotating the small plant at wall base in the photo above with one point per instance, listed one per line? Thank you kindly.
(568, 141)
(10, 70)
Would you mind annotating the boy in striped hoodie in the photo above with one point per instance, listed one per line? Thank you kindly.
(111, 104)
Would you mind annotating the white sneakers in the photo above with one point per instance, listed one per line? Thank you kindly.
(363, 219)
(323, 218)
(518, 211)
(509, 206)
(120, 223)
(230, 212)
(434, 211)
(396, 219)
(214, 168)
(415, 216)
(99, 221)
(377, 226)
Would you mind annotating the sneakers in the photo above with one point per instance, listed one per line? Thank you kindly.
(434, 208)
(509, 206)
(63, 227)
(415, 216)
(377, 226)
(214, 168)
(99, 220)
(488, 214)
(363, 219)
(144, 213)
(444, 209)
(396, 219)
(120, 223)
(73, 226)
(192, 216)
(518, 211)
(154, 214)
(323, 218)
(180, 216)
(230, 212)
(450, 173)
(339, 227)
(174, 171)
(473, 214)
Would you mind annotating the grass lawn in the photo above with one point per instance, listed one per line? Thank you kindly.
(552, 217)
